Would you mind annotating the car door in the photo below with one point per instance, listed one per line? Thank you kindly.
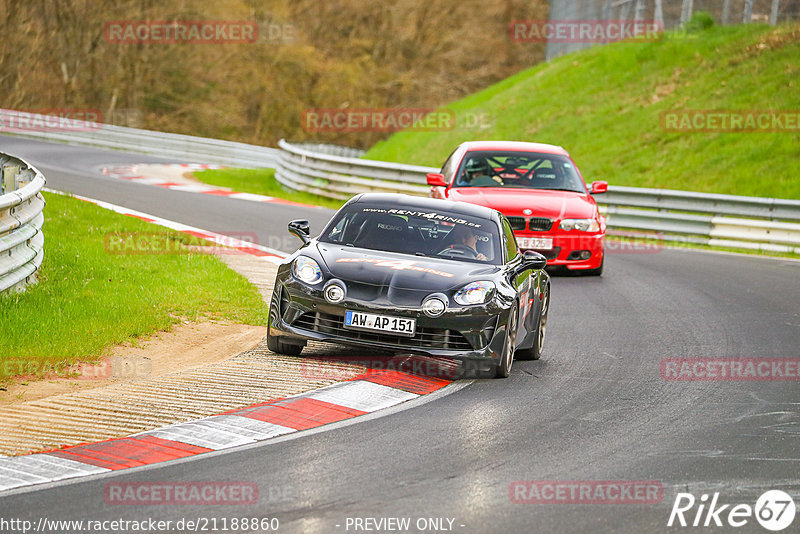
(522, 281)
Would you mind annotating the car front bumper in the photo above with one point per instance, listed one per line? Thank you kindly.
(566, 245)
(473, 333)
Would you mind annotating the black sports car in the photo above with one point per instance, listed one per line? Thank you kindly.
(413, 275)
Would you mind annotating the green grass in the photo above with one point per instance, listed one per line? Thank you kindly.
(261, 182)
(604, 105)
(88, 299)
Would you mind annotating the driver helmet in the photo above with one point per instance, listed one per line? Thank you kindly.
(476, 167)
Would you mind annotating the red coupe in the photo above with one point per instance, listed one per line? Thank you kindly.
(539, 189)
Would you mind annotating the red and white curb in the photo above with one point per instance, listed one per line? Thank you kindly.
(134, 173)
(245, 247)
(364, 394)
(367, 393)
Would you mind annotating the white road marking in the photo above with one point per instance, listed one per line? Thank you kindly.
(362, 395)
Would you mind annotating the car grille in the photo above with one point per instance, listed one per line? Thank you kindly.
(540, 224)
(425, 337)
(535, 224)
(517, 223)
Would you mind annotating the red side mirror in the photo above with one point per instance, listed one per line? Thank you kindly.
(599, 187)
(436, 180)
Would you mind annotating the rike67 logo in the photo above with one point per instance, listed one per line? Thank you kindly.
(774, 510)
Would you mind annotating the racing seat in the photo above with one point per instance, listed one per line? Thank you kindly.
(384, 232)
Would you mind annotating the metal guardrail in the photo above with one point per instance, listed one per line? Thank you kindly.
(21, 220)
(322, 170)
(177, 147)
(337, 172)
(719, 220)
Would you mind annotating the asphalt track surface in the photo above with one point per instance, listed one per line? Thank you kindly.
(595, 407)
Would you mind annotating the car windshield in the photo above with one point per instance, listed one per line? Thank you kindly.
(428, 233)
(524, 170)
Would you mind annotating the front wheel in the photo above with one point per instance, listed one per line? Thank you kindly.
(503, 368)
(535, 352)
(274, 343)
(277, 346)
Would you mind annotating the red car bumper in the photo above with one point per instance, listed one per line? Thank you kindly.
(570, 248)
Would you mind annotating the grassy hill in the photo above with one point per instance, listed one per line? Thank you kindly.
(604, 106)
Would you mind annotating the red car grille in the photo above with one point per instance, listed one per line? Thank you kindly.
(540, 224)
(535, 224)
(517, 223)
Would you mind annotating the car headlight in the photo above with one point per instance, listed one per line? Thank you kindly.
(307, 270)
(583, 225)
(474, 293)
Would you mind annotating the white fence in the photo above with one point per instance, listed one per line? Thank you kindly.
(21, 220)
(719, 220)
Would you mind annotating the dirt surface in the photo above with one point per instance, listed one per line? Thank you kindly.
(194, 371)
(187, 346)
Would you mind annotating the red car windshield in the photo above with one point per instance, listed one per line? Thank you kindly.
(522, 170)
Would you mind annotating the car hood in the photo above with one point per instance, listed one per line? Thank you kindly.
(398, 278)
(542, 203)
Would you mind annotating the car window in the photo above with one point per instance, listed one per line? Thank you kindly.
(518, 170)
(420, 233)
(510, 241)
(449, 167)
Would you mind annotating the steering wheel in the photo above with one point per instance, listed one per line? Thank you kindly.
(470, 253)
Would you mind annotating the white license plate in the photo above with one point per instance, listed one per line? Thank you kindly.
(380, 323)
(541, 243)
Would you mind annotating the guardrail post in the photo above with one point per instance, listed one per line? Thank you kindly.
(773, 15)
(25, 177)
(747, 15)
(10, 178)
(686, 11)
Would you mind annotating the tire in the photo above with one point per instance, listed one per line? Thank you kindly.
(277, 346)
(274, 343)
(503, 368)
(535, 352)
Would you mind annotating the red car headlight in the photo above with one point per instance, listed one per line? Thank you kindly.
(582, 225)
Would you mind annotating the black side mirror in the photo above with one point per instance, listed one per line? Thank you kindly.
(533, 260)
(301, 229)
